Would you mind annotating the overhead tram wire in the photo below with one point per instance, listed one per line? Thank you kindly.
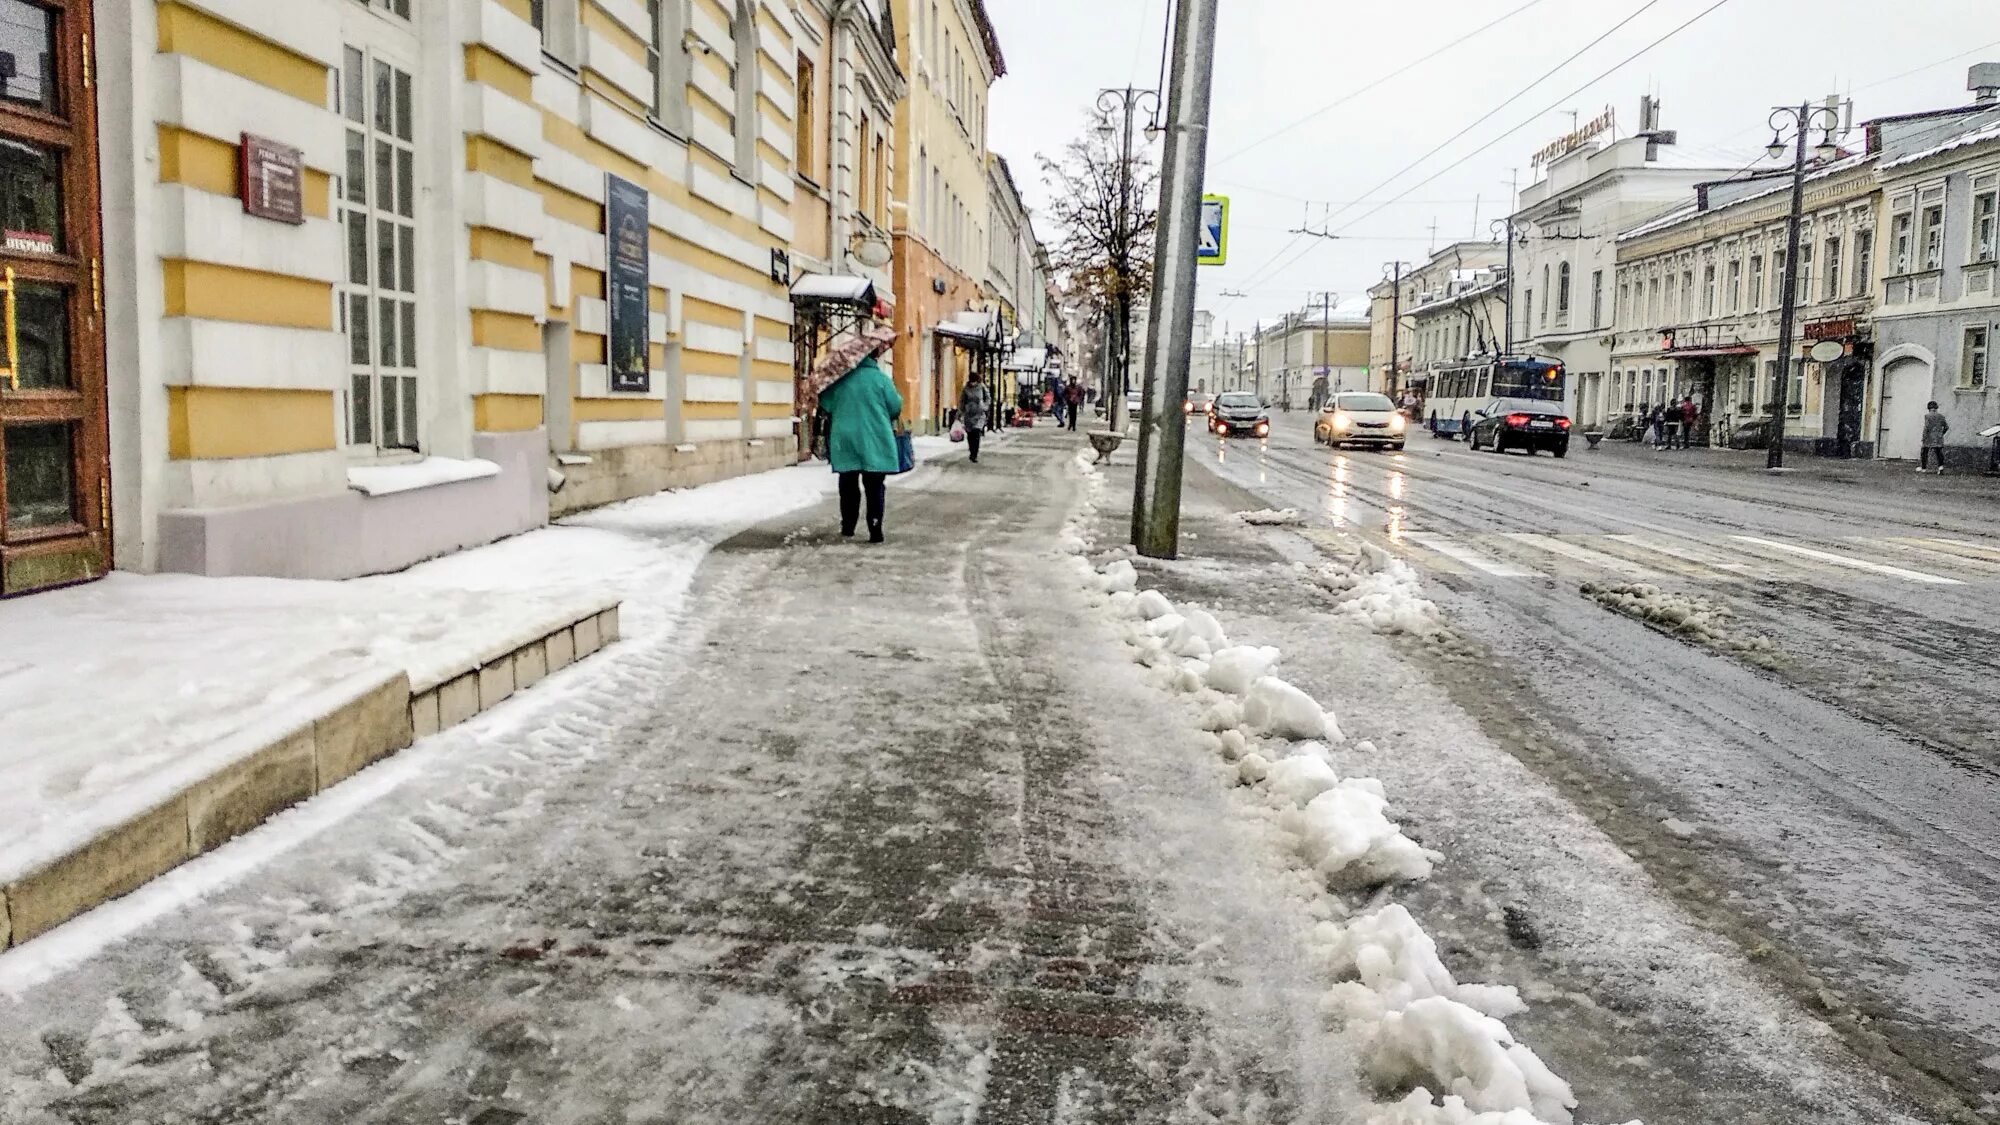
(1523, 92)
(1377, 83)
(1620, 65)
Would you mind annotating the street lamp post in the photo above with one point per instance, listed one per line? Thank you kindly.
(1805, 118)
(1127, 104)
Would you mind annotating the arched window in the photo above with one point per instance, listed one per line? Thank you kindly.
(743, 33)
(1547, 288)
(1562, 291)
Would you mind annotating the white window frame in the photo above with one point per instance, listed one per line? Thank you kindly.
(672, 66)
(1975, 371)
(1931, 226)
(402, 374)
(1734, 290)
(562, 30)
(1755, 293)
(1902, 235)
(1864, 262)
(1596, 298)
(1984, 215)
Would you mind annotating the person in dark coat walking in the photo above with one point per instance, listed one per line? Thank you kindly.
(1935, 427)
(1073, 394)
(864, 407)
(975, 404)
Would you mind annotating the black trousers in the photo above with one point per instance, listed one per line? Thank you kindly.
(851, 487)
(1925, 455)
(972, 436)
(1074, 410)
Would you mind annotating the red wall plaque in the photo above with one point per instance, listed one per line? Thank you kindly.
(272, 180)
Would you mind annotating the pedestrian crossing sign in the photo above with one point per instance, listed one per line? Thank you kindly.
(1213, 249)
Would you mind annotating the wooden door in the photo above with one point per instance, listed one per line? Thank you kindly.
(54, 474)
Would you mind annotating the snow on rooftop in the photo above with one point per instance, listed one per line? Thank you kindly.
(1773, 185)
(1977, 136)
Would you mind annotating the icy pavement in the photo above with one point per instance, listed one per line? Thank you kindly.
(905, 834)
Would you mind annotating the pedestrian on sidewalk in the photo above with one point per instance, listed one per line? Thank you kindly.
(1073, 395)
(1655, 426)
(865, 409)
(1690, 414)
(975, 403)
(1935, 427)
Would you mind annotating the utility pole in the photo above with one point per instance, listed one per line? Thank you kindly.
(1156, 501)
(1395, 329)
(1806, 117)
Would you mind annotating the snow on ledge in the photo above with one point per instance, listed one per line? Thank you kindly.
(387, 480)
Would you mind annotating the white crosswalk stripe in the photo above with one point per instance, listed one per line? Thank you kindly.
(1456, 551)
(1850, 561)
(1723, 559)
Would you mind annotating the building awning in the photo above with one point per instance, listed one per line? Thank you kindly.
(834, 288)
(972, 326)
(1028, 359)
(1709, 353)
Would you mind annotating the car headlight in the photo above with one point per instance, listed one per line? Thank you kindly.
(1396, 423)
(1341, 421)
(1263, 428)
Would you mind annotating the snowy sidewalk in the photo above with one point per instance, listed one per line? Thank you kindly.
(123, 695)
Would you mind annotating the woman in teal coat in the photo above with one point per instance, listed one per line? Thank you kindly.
(863, 407)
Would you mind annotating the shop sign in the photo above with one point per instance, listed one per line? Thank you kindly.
(627, 283)
(30, 242)
(1571, 141)
(1841, 329)
(271, 180)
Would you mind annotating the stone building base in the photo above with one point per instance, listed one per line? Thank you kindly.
(618, 474)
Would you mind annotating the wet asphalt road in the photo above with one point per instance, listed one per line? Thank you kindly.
(1833, 806)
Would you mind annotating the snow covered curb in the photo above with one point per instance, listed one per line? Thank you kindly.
(1415, 1026)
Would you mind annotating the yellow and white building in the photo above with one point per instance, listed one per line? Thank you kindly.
(952, 57)
(421, 363)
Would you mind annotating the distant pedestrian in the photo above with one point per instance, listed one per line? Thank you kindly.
(1690, 415)
(975, 406)
(863, 408)
(1656, 427)
(1073, 395)
(1935, 427)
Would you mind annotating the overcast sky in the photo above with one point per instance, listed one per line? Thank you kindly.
(1279, 61)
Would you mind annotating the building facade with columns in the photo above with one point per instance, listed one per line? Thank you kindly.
(381, 280)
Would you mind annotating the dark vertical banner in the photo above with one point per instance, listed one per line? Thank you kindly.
(628, 244)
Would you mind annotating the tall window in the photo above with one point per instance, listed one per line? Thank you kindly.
(1804, 293)
(1986, 217)
(1864, 262)
(667, 59)
(1596, 298)
(1902, 241)
(1756, 282)
(879, 208)
(864, 195)
(559, 24)
(1795, 387)
(805, 123)
(1562, 293)
(378, 299)
(1687, 294)
(1734, 294)
(1829, 269)
(1653, 301)
(743, 33)
(1707, 292)
(1777, 278)
(1972, 372)
(1931, 234)
(1623, 311)
(1527, 309)
(402, 7)
(1546, 288)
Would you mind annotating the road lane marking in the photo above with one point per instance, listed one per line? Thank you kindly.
(1961, 556)
(1963, 547)
(1578, 553)
(1460, 553)
(1848, 561)
(1692, 563)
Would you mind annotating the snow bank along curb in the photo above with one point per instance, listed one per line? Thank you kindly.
(269, 768)
(1418, 1029)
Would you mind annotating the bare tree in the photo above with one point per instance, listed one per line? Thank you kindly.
(1105, 209)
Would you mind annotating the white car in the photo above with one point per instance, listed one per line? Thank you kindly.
(1360, 418)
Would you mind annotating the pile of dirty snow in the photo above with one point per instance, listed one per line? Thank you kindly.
(1689, 617)
(1442, 1046)
(1273, 517)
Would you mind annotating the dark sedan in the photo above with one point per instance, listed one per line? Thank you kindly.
(1236, 412)
(1521, 424)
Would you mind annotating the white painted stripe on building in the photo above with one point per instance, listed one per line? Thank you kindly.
(489, 112)
(714, 429)
(506, 34)
(1458, 552)
(493, 202)
(1851, 562)
(303, 29)
(688, 281)
(772, 391)
(559, 94)
(502, 288)
(626, 134)
(696, 232)
(220, 353)
(616, 435)
(730, 194)
(1557, 546)
(593, 380)
(570, 172)
(778, 222)
(656, 326)
(601, 55)
(573, 244)
(711, 32)
(215, 103)
(495, 371)
(711, 388)
(773, 350)
(592, 315)
(714, 137)
(207, 227)
(699, 337)
(772, 427)
(630, 14)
